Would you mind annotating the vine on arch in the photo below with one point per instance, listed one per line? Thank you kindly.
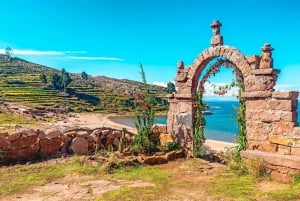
(222, 90)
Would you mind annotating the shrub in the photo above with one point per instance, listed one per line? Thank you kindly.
(144, 141)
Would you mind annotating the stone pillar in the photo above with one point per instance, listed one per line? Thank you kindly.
(180, 121)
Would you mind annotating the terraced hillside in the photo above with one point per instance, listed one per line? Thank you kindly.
(20, 83)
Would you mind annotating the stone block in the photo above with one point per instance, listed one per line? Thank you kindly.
(257, 94)
(106, 132)
(51, 134)
(50, 146)
(296, 131)
(275, 139)
(4, 144)
(83, 134)
(295, 151)
(259, 87)
(70, 134)
(284, 150)
(66, 141)
(27, 139)
(262, 146)
(282, 128)
(185, 107)
(165, 138)
(159, 128)
(257, 130)
(284, 105)
(41, 134)
(265, 116)
(109, 140)
(154, 160)
(265, 71)
(285, 95)
(289, 116)
(170, 156)
(22, 154)
(257, 104)
(79, 145)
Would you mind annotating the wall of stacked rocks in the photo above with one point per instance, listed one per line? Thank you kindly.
(30, 144)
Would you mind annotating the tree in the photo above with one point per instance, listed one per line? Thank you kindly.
(84, 75)
(171, 87)
(43, 78)
(65, 79)
(56, 81)
(8, 51)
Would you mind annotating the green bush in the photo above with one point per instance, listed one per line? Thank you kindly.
(172, 146)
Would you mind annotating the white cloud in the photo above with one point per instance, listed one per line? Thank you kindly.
(95, 58)
(75, 52)
(286, 87)
(210, 89)
(67, 54)
(162, 84)
(34, 52)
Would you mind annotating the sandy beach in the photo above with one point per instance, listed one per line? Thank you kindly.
(104, 120)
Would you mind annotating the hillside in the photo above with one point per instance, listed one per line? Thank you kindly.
(20, 84)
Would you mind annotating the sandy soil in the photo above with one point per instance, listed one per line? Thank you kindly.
(103, 120)
(92, 121)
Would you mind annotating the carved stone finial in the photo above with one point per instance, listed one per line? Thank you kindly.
(181, 72)
(266, 60)
(217, 38)
(180, 65)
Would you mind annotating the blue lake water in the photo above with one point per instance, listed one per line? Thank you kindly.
(221, 125)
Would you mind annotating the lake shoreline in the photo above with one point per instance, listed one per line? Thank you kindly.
(215, 145)
(106, 120)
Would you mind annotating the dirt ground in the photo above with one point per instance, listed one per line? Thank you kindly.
(187, 181)
(74, 187)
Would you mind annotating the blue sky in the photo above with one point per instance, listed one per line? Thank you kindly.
(111, 37)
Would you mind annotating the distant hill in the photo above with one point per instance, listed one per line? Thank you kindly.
(20, 83)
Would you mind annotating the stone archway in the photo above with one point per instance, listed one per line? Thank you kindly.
(271, 117)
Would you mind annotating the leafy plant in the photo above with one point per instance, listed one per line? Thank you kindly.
(172, 146)
(144, 141)
(199, 125)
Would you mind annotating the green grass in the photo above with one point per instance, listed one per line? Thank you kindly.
(182, 182)
(151, 174)
(13, 120)
(21, 178)
(233, 186)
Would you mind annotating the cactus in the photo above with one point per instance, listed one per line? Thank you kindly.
(121, 142)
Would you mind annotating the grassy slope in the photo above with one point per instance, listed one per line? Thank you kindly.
(185, 180)
(20, 83)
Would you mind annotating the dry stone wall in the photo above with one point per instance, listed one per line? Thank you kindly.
(30, 144)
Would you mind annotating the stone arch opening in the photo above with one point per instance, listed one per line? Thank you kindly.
(270, 115)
